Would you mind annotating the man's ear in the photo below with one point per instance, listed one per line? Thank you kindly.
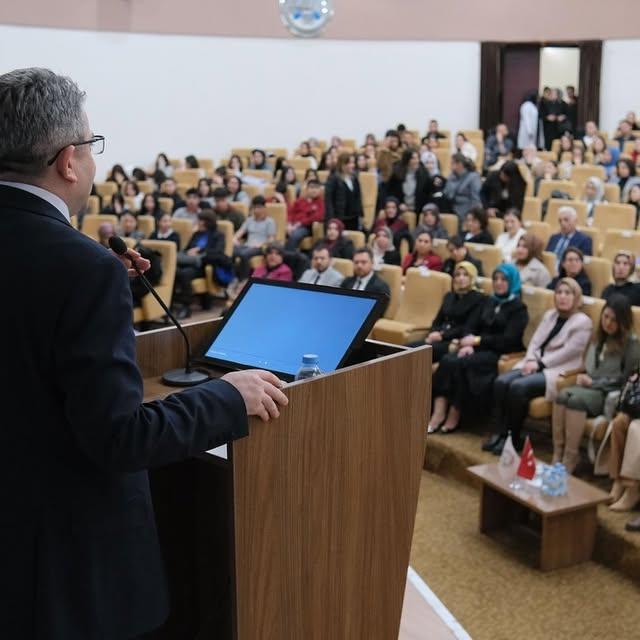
(65, 165)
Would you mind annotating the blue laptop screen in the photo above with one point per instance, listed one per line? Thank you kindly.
(273, 327)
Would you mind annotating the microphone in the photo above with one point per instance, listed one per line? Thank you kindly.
(187, 377)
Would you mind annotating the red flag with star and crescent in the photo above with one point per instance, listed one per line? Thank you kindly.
(527, 468)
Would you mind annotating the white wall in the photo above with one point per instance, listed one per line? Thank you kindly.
(183, 94)
(619, 88)
(559, 67)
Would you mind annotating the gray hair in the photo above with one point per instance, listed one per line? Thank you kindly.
(573, 214)
(40, 113)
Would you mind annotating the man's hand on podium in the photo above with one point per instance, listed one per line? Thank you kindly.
(260, 391)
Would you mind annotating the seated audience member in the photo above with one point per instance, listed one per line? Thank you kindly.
(566, 166)
(572, 266)
(169, 189)
(528, 260)
(106, 230)
(409, 183)
(569, 235)
(513, 231)
(383, 249)
(304, 151)
(338, 245)
(437, 195)
(624, 134)
(623, 271)
(458, 253)
(590, 133)
(311, 174)
(530, 159)
(151, 207)
(274, 267)
(255, 232)
(306, 210)
(163, 231)
(498, 146)
(206, 246)
(342, 196)
(235, 166)
(557, 345)
(117, 175)
(503, 189)
(625, 176)
(464, 147)
(464, 379)
(129, 189)
(422, 255)
(593, 195)
(392, 219)
(223, 208)
(634, 199)
(547, 170)
(191, 209)
(430, 222)
(234, 187)
(476, 224)
(288, 178)
(117, 206)
(620, 452)
(463, 186)
(459, 313)
(364, 276)
(205, 192)
(163, 169)
(612, 356)
(129, 226)
(153, 274)
(321, 271)
(329, 160)
(362, 163)
(432, 131)
(566, 146)
(431, 164)
(259, 161)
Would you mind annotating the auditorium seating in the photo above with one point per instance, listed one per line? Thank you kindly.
(540, 229)
(91, 223)
(532, 209)
(489, 255)
(614, 216)
(547, 186)
(184, 228)
(423, 293)
(556, 203)
(620, 239)
(150, 309)
(599, 272)
(345, 267)
(392, 275)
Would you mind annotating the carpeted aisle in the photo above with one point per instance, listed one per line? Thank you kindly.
(490, 586)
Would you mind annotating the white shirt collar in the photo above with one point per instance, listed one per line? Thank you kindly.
(51, 198)
(364, 281)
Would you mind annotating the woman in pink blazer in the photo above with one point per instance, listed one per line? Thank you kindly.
(557, 345)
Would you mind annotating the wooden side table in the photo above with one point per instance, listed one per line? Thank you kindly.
(568, 522)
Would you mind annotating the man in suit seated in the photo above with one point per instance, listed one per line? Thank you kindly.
(569, 235)
(364, 277)
(321, 271)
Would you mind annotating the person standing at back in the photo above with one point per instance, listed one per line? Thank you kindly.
(78, 545)
(342, 198)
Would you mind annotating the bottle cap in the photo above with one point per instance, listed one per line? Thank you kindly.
(310, 358)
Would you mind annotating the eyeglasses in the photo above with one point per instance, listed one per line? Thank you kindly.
(96, 145)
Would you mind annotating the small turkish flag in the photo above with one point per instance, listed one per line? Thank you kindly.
(527, 468)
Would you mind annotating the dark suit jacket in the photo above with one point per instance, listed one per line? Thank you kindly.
(375, 285)
(341, 202)
(580, 241)
(79, 553)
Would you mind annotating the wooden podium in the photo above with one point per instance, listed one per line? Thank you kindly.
(304, 531)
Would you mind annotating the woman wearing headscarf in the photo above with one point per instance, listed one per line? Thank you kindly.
(503, 189)
(335, 242)
(557, 345)
(459, 313)
(430, 162)
(465, 377)
(528, 260)
(430, 221)
(391, 218)
(612, 355)
(383, 249)
(623, 271)
(593, 195)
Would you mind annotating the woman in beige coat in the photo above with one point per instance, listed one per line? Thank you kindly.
(557, 345)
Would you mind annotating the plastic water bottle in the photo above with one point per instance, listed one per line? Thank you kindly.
(554, 480)
(309, 368)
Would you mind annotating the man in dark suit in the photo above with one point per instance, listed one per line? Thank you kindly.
(364, 277)
(78, 546)
(569, 235)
